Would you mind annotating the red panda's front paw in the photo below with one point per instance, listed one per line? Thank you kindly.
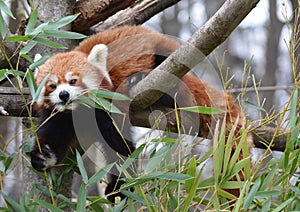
(44, 159)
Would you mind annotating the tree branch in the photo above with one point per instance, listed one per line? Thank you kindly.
(94, 11)
(202, 43)
(13, 103)
(138, 13)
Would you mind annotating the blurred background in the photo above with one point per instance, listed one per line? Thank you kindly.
(255, 54)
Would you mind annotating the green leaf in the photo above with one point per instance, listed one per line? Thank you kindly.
(47, 205)
(155, 161)
(81, 168)
(192, 172)
(66, 200)
(169, 176)
(165, 140)
(100, 174)
(30, 81)
(32, 21)
(99, 93)
(39, 89)
(284, 205)
(120, 206)
(39, 62)
(49, 43)
(202, 110)
(2, 26)
(17, 38)
(11, 203)
(132, 157)
(81, 198)
(267, 194)
(106, 105)
(64, 34)
(38, 30)
(61, 22)
(28, 47)
(6, 9)
(252, 193)
(133, 196)
(251, 104)
(6, 72)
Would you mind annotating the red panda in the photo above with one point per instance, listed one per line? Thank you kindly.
(106, 60)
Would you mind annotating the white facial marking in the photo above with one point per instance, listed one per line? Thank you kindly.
(90, 83)
(59, 104)
(98, 58)
(53, 78)
(68, 76)
(36, 58)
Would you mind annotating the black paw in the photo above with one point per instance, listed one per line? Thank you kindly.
(44, 159)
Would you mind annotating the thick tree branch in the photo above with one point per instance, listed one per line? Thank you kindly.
(13, 103)
(94, 11)
(138, 13)
(202, 43)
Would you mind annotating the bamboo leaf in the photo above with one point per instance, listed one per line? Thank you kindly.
(30, 81)
(100, 174)
(47, 205)
(284, 205)
(252, 193)
(61, 22)
(28, 47)
(202, 110)
(39, 62)
(17, 38)
(6, 9)
(253, 105)
(120, 206)
(99, 93)
(81, 167)
(49, 43)
(32, 21)
(39, 89)
(2, 26)
(64, 34)
(81, 199)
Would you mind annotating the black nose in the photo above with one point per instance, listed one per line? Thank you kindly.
(64, 95)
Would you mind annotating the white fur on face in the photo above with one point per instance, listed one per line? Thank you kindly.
(68, 76)
(90, 82)
(59, 104)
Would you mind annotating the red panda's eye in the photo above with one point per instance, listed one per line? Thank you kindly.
(52, 86)
(73, 81)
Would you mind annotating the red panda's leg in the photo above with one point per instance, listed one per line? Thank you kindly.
(54, 137)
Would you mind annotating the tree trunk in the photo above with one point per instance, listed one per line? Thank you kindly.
(272, 53)
(48, 10)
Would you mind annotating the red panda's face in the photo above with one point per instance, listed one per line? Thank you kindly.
(70, 75)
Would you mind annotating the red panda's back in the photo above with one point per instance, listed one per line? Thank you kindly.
(131, 49)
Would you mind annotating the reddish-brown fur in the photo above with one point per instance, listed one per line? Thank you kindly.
(131, 50)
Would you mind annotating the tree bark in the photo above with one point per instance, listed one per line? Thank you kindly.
(94, 11)
(46, 10)
(140, 12)
(261, 136)
(271, 54)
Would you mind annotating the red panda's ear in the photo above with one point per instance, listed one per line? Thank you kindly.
(35, 59)
(98, 58)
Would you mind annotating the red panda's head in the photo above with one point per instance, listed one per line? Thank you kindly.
(71, 74)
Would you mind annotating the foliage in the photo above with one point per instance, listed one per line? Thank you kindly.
(170, 178)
